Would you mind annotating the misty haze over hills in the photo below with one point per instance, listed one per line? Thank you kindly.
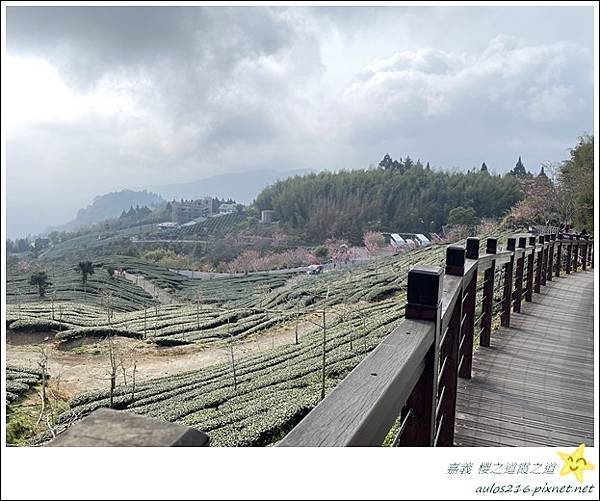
(109, 206)
(241, 186)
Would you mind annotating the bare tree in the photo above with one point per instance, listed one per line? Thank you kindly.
(145, 320)
(124, 372)
(60, 317)
(374, 242)
(324, 358)
(52, 303)
(155, 310)
(43, 365)
(198, 310)
(133, 380)
(564, 193)
(114, 366)
(546, 201)
(232, 356)
(107, 302)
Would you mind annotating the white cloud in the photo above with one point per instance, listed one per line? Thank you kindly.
(535, 83)
(133, 96)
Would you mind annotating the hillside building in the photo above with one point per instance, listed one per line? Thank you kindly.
(267, 216)
(188, 210)
(226, 208)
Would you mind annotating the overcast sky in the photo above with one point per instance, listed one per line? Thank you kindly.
(101, 98)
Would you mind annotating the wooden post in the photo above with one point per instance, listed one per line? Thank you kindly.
(551, 238)
(583, 254)
(530, 266)
(543, 241)
(508, 285)
(559, 245)
(569, 254)
(468, 328)
(538, 266)
(575, 252)
(519, 276)
(424, 302)
(591, 253)
(488, 296)
(449, 355)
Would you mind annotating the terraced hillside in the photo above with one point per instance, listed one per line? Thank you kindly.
(68, 288)
(207, 311)
(256, 399)
(218, 309)
(96, 243)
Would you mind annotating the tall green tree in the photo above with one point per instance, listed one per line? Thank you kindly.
(519, 169)
(110, 271)
(386, 162)
(463, 216)
(85, 268)
(40, 280)
(577, 176)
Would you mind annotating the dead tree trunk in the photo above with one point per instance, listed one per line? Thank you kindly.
(113, 370)
(198, 311)
(232, 356)
(43, 365)
(133, 381)
(324, 357)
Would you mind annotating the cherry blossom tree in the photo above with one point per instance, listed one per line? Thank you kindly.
(374, 242)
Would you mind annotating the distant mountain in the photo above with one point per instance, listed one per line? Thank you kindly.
(109, 206)
(243, 187)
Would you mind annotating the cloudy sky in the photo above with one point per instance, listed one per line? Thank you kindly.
(102, 98)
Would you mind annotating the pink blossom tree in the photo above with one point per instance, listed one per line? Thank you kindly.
(24, 266)
(374, 242)
(247, 261)
(337, 249)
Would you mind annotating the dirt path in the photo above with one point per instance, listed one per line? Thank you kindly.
(84, 365)
(161, 295)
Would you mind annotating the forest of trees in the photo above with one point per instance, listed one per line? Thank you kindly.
(577, 173)
(136, 213)
(390, 198)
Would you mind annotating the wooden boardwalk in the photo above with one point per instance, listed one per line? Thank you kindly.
(535, 385)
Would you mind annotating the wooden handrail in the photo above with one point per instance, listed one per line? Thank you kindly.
(411, 377)
(364, 406)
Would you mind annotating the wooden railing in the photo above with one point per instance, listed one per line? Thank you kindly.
(409, 382)
(410, 379)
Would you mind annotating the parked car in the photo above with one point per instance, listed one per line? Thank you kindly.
(314, 269)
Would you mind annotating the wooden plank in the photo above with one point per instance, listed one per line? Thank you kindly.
(535, 385)
(450, 295)
(364, 406)
(110, 428)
